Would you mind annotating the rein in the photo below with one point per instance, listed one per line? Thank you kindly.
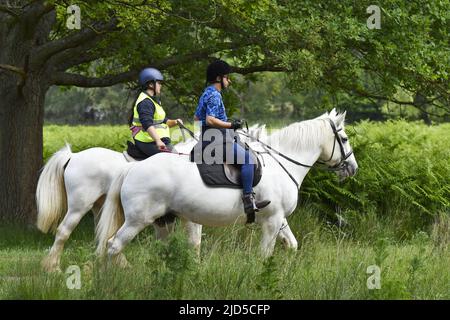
(277, 152)
(183, 127)
(340, 166)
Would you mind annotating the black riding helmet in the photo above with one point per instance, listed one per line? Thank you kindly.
(217, 68)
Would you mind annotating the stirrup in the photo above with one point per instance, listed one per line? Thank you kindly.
(252, 207)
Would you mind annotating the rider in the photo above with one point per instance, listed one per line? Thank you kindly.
(211, 112)
(148, 121)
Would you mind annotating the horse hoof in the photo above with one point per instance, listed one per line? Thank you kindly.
(50, 267)
(122, 262)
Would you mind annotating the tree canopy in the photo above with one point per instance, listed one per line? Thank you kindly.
(320, 45)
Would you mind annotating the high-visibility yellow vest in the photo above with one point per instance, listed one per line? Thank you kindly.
(161, 128)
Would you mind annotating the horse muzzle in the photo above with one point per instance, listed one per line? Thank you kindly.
(347, 169)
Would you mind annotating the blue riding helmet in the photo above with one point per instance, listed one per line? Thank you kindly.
(149, 74)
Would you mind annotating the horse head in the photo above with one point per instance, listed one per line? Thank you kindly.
(337, 153)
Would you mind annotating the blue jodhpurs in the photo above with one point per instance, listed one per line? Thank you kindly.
(247, 168)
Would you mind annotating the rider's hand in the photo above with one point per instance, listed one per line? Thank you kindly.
(179, 121)
(161, 145)
(236, 124)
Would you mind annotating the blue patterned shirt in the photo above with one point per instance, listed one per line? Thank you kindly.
(210, 104)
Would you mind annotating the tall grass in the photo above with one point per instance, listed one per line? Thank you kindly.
(328, 265)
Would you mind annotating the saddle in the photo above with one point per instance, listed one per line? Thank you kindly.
(226, 175)
(133, 154)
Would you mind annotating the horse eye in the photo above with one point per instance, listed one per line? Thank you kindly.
(344, 139)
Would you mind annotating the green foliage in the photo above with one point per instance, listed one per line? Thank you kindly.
(403, 171)
(322, 46)
(178, 263)
(268, 281)
(84, 137)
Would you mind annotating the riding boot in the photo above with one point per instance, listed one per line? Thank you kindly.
(251, 206)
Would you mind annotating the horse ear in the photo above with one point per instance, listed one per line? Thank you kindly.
(333, 113)
(341, 118)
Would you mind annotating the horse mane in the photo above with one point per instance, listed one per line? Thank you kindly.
(299, 135)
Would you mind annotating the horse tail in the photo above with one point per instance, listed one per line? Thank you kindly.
(51, 197)
(111, 214)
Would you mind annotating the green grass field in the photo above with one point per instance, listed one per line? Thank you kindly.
(328, 265)
(396, 213)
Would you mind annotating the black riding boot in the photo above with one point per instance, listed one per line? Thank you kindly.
(251, 206)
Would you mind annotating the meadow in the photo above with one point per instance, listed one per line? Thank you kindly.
(394, 217)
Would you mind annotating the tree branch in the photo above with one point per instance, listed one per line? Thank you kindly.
(260, 68)
(362, 93)
(36, 10)
(76, 56)
(43, 53)
(73, 56)
(62, 78)
(71, 79)
(365, 94)
(14, 69)
(15, 12)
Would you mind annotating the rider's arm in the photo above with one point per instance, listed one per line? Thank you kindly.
(214, 106)
(155, 136)
(152, 132)
(172, 122)
(216, 123)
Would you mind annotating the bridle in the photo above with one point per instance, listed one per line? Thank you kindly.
(342, 165)
(344, 156)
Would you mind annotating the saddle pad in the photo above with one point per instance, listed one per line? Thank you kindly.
(134, 152)
(214, 175)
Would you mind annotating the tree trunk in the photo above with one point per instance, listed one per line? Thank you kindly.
(21, 143)
(22, 94)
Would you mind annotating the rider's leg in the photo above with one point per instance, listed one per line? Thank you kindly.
(150, 148)
(242, 156)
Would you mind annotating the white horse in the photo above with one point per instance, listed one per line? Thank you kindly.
(169, 183)
(71, 184)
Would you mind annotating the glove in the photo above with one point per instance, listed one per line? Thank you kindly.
(236, 124)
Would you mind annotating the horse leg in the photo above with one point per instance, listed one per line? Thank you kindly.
(270, 230)
(96, 209)
(124, 235)
(194, 232)
(78, 206)
(162, 232)
(287, 237)
(141, 215)
(51, 262)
